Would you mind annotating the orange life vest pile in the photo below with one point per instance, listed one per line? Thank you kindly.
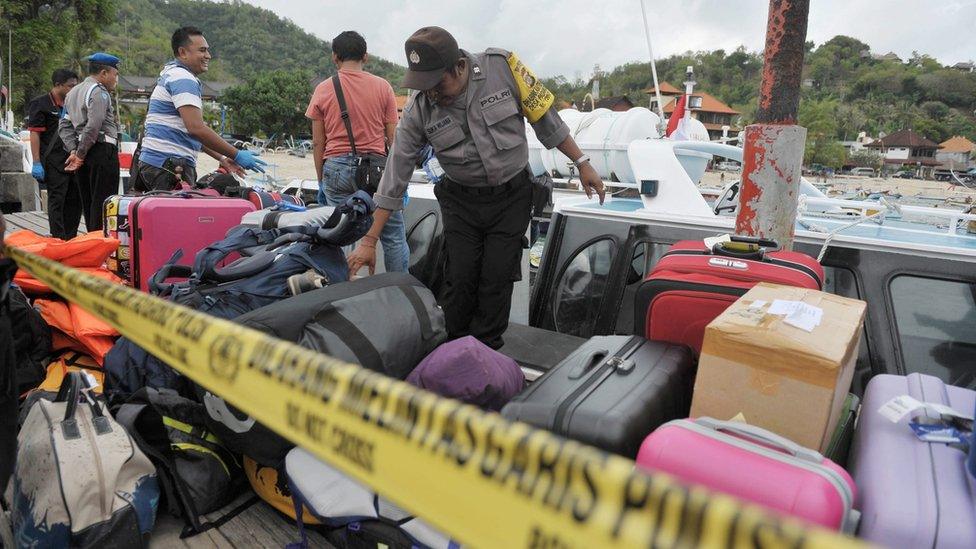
(78, 338)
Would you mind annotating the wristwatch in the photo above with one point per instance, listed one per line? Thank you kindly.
(581, 160)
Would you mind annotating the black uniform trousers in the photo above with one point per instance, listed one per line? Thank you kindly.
(483, 230)
(63, 198)
(98, 179)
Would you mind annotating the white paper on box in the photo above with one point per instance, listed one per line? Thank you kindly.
(805, 317)
(783, 307)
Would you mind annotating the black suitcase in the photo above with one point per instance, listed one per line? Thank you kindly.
(610, 393)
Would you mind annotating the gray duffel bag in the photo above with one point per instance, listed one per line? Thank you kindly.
(387, 322)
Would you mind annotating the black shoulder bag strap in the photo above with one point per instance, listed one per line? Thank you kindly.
(173, 485)
(344, 112)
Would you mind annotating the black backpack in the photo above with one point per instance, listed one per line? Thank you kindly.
(197, 474)
(32, 341)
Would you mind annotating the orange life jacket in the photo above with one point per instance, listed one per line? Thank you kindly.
(33, 286)
(71, 362)
(74, 328)
(87, 250)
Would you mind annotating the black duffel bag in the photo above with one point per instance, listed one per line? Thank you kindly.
(387, 323)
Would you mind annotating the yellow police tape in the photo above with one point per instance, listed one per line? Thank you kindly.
(486, 481)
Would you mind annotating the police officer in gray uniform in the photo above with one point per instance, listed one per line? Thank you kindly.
(471, 108)
(90, 132)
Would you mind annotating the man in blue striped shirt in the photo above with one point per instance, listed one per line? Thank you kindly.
(175, 130)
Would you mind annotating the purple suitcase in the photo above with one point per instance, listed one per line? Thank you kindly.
(470, 371)
(912, 493)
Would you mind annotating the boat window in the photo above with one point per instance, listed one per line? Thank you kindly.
(840, 281)
(581, 287)
(645, 256)
(936, 327)
(420, 237)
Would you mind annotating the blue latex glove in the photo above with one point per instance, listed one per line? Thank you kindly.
(37, 171)
(249, 161)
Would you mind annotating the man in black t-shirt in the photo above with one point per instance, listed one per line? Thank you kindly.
(63, 200)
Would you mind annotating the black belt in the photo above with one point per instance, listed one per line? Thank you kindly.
(481, 191)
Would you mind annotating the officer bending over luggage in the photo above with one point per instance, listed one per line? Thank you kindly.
(471, 109)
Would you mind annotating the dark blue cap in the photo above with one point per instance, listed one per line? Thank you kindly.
(103, 58)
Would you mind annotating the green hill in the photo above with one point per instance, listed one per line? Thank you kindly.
(246, 40)
(846, 90)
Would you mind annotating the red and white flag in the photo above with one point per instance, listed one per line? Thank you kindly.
(674, 123)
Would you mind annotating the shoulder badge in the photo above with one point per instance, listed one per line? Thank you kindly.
(536, 99)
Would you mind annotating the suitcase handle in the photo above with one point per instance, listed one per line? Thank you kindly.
(756, 249)
(596, 358)
(758, 434)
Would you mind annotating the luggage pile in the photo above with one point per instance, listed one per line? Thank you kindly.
(737, 380)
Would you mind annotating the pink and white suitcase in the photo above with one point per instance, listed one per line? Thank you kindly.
(161, 224)
(754, 465)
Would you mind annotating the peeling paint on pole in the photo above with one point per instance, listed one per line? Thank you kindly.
(773, 152)
(770, 185)
(786, 32)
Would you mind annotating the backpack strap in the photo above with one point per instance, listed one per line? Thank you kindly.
(178, 499)
(344, 111)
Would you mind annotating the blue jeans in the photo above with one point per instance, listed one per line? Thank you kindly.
(338, 184)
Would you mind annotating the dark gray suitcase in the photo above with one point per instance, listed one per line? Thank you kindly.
(610, 393)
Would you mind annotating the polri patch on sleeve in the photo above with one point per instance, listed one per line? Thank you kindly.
(536, 99)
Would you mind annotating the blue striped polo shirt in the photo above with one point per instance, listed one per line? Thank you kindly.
(166, 135)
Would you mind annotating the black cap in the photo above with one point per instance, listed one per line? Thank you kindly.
(430, 51)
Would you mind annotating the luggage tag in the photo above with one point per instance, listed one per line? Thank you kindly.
(941, 434)
(951, 427)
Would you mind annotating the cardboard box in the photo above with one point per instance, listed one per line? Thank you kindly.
(774, 372)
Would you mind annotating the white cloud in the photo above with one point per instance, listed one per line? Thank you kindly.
(569, 36)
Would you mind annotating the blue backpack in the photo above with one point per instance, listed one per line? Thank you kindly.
(258, 278)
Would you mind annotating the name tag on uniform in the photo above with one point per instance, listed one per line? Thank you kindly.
(495, 98)
(435, 127)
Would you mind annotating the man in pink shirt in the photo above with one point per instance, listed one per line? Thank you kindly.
(372, 112)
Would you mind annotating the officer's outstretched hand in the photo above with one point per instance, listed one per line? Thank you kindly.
(249, 161)
(231, 166)
(37, 171)
(591, 182)
(363, 255)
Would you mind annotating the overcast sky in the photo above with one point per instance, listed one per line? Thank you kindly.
(569, 36)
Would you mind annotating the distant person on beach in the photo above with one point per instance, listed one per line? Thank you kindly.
(346, 147)
(175, 130)
(47, 150)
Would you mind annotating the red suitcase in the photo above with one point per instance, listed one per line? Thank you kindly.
(692, 284)
(163, 223)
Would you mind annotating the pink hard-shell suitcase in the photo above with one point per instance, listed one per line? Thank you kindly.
(754, 465)
(188, 220)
